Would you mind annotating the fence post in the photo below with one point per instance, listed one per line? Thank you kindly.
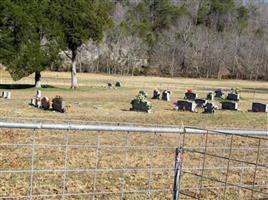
(177, 177)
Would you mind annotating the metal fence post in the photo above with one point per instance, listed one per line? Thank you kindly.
(177, 177)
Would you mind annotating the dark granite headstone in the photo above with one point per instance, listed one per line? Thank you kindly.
(229, 105)
(166, 95)
(118, 84)
(58, 105)
(143, 106)
(200, 102)
(156, 94)
(190, 96)
(209, 108)
(233, 97)
(259, 107)
(219, 93)
(45, 103)
(186, 105)
(210, 96)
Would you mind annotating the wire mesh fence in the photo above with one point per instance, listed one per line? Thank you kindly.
(224, 166)
(97, 164)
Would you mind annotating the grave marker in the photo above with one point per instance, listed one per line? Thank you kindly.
(185, 105)
(210, 96)
(259, 107)
(156, 94)
(229, 105)
(233, 97)
(45, 103)
(209, 108)
(139, 103)
(58, 104)
(219, 93)
(166, 95)
(200, 102)
(118, 84)
(190, 96)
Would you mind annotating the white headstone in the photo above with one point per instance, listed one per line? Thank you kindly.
(38, 94)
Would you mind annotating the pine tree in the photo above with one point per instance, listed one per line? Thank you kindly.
(27, 39)
(80, 21)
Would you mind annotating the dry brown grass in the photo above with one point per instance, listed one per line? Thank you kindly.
(136, 152)
(93, 101)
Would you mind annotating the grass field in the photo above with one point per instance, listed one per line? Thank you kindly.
(129, 164)
(94, 101)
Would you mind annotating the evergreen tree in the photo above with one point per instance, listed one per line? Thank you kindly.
(27, 38)
(80, 21)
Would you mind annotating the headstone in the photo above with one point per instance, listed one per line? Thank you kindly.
(118, 84)
(45, 103)
(210, 96)
(4, 94)
(145, 94)
(186, 105)
(166, 95)
(190, 96)
(33, 101)
(219, 93)
(156, 94)
(38, 103)
(38, 94)
(209, 108)
(200, 102)
(140, 104)
(58, 104)
(8, 95)
(233, 97)
(229, 105)
(259, 107)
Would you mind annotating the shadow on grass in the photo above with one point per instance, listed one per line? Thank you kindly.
(21, 86)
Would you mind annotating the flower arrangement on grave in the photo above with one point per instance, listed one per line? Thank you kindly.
(57, 99)
(140, 103)
(235, 90)
(189, 91)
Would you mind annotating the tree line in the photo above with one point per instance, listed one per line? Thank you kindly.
(190, 38)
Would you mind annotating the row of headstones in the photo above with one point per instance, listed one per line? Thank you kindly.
(192, 101)
(57, 103)
(117, 84)
(6, 95)
(230, 104)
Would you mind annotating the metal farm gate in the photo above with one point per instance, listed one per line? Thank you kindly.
(64, 161)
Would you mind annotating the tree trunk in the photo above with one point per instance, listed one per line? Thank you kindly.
(74, 82)
(37, 79)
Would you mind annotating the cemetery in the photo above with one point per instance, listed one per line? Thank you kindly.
(91, 101)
